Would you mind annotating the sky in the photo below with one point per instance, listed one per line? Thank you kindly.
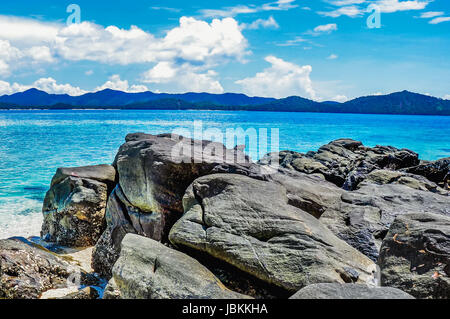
(318, 49)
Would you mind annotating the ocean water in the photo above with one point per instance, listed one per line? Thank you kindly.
(34, 143)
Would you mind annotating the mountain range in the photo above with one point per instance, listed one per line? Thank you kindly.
(404, 102)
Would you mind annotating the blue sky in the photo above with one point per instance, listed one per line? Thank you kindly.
(319, 49)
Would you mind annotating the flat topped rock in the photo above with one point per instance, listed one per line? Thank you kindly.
(101, 173)
(248, 224)
(147, 269)
(349, 291)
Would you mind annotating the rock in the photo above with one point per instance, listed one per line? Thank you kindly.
(383, 176)
(437, 171)
(154, 172)
(147, 269)
(345, 162)
(415, 255)
(100, 173)
(249, 224)
(74, 212)
(363, 217)
(119, 223)
(87, 293)
(112, 292)
(27, 271)
(349, 291)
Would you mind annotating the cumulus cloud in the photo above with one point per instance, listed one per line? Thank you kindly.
(280, 80)
(183, 77)
(350, 11)
(327, 28)
(115, 83)
(51, 86)
(333, 57)
(261, 23)
(340, 98)
(447, 97)
(48, 85)
(194, 47)
(193, 40)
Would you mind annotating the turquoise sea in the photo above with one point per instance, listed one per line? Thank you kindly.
(34, 143)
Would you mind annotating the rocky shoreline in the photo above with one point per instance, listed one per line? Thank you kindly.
(206, 222)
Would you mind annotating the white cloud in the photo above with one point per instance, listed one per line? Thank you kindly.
(340, 98)
(27, 31)
(447, 97)
(115, 83)
(51, 86)
(261, 23)
(40, 54)
(327, 28)
(390, 6)
(48, 85)
(293, 42)
(280, 80)
(279, 5)
(341, 3)
(350, 11)
(89, 72)
(7, 88)
(333, 57)
(183, 78)
(193, 40)
(431, 14)
(353, 8)
(194, 43)
(439, 20)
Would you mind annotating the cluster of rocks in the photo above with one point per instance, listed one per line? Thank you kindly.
(177, 218)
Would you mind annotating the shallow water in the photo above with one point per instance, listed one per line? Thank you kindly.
(34, 143)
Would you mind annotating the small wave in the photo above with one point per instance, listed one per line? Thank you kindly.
(20, 217)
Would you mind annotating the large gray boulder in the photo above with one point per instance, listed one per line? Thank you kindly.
(415, 256)
(437, 171)
(154, 172)
(27, 270)
(363, 217)
(74, 207)
(248, 223)
(345, 162)
(147, 269)
(349, 291)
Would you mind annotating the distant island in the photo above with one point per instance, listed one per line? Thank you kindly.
(401, 103)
